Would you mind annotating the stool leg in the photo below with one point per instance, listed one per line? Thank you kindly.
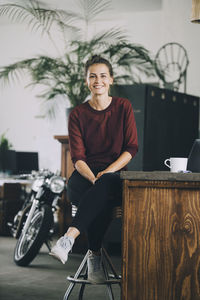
(110, 264)
(81, 291)
(83, 284)
(68, 291)
(72, 284)
(108, 285)
(48, 244)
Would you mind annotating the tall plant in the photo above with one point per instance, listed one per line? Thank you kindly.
(64, 74)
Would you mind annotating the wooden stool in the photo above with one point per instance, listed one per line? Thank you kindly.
(80, 276)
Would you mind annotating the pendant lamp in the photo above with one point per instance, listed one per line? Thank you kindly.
(195, 11)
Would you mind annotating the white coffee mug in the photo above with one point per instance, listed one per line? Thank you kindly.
(176, 164)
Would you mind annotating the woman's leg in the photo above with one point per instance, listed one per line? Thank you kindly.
(97, 229)
(76, 187)
(93, 202)
(96, 200)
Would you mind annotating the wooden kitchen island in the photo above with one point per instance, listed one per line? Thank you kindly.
(161, 236)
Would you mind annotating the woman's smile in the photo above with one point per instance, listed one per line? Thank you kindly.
(99, 79)
(97, 86)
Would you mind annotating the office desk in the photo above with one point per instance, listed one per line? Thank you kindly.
(161, 236)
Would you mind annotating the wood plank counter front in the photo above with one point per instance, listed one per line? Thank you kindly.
(161, 236)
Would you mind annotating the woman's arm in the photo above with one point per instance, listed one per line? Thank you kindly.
(85, 171)
(118, 164)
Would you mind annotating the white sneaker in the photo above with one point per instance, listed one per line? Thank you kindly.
(62, 248)
(95, 269)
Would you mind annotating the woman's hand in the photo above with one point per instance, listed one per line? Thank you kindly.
(118, 164)
(85, 171)
(101, 173)
(93, 180)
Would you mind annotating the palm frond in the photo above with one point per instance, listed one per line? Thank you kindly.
(131, 57)
(64, 75)
(37, 17)
(93, 8)
(14, 71)
(106, 38)
(127, 79)
(51, 106)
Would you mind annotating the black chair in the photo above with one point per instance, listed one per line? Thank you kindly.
(80, 277)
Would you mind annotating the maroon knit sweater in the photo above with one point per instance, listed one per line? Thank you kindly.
(100, 137)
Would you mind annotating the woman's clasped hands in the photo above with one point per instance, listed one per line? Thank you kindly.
(99, 175)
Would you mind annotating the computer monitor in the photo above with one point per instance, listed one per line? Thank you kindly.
(194, 157)
(26, 162)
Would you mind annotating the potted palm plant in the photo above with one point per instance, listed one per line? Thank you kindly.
(63, 75)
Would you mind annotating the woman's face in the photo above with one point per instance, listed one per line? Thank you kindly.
(98, 79)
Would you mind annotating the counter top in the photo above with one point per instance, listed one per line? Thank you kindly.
(159, 175)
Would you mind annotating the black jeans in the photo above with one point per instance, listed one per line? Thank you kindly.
(95, 204)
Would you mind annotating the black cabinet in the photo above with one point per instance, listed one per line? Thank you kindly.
(10, 203)
(167, 124)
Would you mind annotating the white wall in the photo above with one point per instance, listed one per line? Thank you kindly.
(20, 110)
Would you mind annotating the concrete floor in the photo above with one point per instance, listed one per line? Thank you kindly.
(45, 278)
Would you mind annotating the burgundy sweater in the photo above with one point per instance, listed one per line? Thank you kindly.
(100, 137)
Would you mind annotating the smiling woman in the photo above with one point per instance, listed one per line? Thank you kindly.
(98, 82)
(103, 139)
(99, 77)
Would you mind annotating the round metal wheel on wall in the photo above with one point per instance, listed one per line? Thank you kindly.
(29, 244)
